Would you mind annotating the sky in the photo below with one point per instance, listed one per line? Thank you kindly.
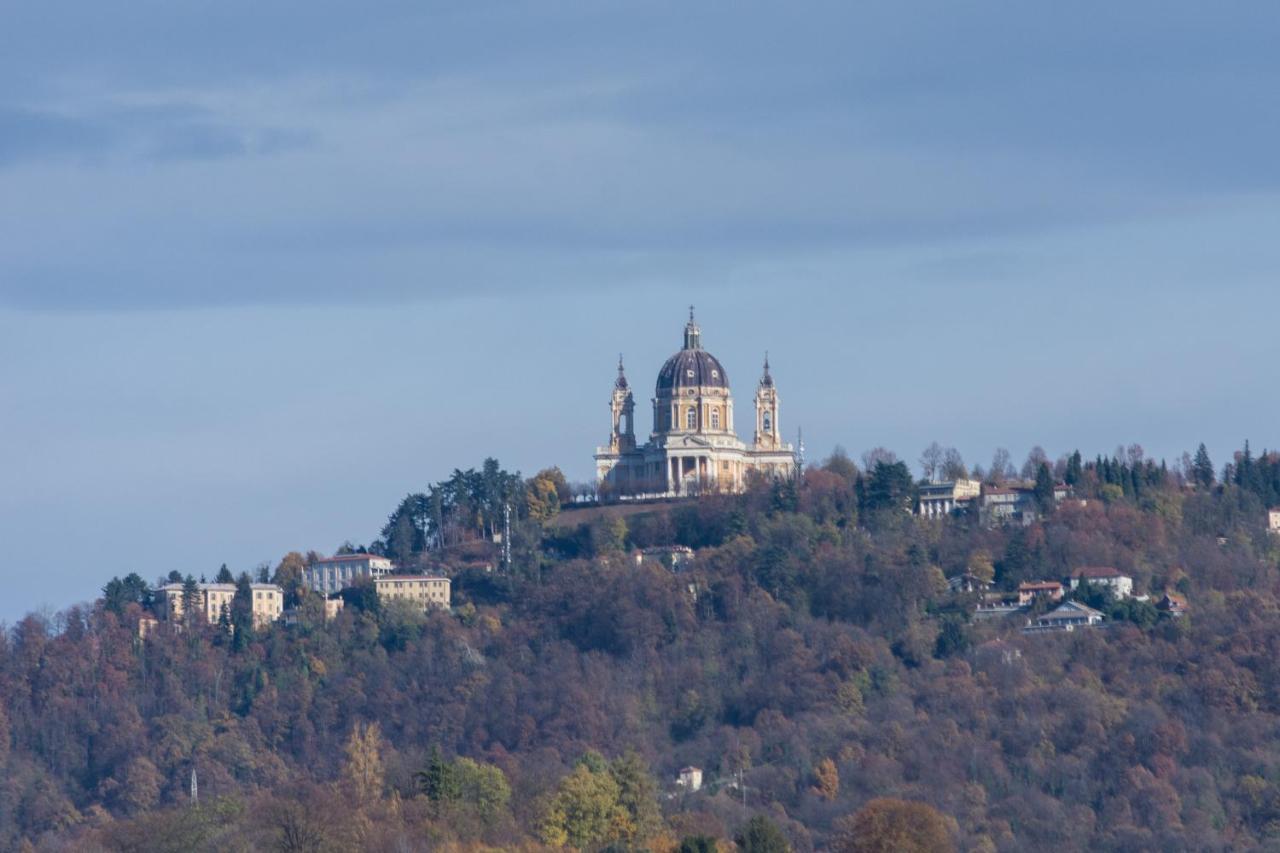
(265, 268)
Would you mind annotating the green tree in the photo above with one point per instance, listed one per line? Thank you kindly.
(585, 811)
(1044, 488)
(438, 780)
(638, 794)
(482, 786)
(224, 575)
(761, 835)
(1202, 468)
(242, 611)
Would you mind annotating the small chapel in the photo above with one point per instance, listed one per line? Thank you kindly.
(693, 448)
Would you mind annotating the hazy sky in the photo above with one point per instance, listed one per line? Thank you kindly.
(267, 267)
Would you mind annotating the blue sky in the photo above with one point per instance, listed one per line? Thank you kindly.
(265, 268)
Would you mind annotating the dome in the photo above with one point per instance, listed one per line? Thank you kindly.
(693, 366)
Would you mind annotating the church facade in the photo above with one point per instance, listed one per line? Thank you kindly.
(693, 447)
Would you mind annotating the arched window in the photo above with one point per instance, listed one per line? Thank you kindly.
(691, 418)
(768, 422)
(715, 419)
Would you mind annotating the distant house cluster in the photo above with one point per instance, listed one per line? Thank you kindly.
(994, 504)
(1068, 615)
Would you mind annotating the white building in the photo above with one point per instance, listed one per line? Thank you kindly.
(1067, 617)
(690, 778)
(422, 591)
(1120, 584)
(938, 500)
(331, 574)
(1273, 520)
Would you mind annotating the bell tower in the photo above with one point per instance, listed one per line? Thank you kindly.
(622, 407)
(767, 435)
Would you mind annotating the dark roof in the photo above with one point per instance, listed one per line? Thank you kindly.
(691, 368)
(1097, 572)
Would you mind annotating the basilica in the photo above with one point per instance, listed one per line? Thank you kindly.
(693, 447)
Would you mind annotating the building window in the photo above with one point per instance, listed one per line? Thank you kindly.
(691, 418)
(768, 422)
(715, 419)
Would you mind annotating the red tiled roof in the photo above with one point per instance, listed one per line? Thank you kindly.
(1039, 585)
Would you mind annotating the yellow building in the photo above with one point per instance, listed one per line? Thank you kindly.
(693, 447)
(268, 601)
(421, 590)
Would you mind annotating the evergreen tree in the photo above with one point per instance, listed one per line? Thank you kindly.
(1202, 468)
(224, 575)
(1044, 488)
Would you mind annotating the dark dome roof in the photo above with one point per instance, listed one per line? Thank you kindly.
(690, 368)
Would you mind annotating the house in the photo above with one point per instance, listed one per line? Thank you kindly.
(331, 574)
(1066, 617)
(673, 557)
(213, 598)
(995, 606)
(938, 500)
(421, 590)
(967, 582)
(689, 778)
(1029, 591)
(1015, 502)
(147, 626)
(1119, 583)
(1273, 520)
(1173, 604)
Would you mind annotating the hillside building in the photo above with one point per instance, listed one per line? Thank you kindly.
(1120, 584)
(213, 598)
(421, 590)
(331, 574)
(693, 447)
(938, 500)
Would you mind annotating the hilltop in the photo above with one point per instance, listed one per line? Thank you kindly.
(810, 659)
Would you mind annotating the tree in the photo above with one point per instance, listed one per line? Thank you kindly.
(242, 611)
(1202, 468)
(761, 835)
(289, 576)
(887, 825)
(953, 467)
(1044, 488)
(439, 781)
(363, 769)
(1035, 458)
(191, 605)
(224, 575)
(890, 487)
(118, 594)
(1001, 466)
(876, 456)
(931, 461)
(840, 463)
(979, 565)
(638, 794)
(585, 811)
(483, 786)
(826, 780)
(1074, 470)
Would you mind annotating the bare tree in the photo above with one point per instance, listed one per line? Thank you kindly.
(1035, 459)
(876, 455)
(1001, 466)
(953, 465)
(1135, 454)
(931, 461)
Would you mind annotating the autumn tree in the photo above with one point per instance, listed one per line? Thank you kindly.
(887, 825)
(826, 780)
(363, 770)
(586, 809)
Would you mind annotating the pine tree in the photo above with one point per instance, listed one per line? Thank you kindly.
(1202, 468)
